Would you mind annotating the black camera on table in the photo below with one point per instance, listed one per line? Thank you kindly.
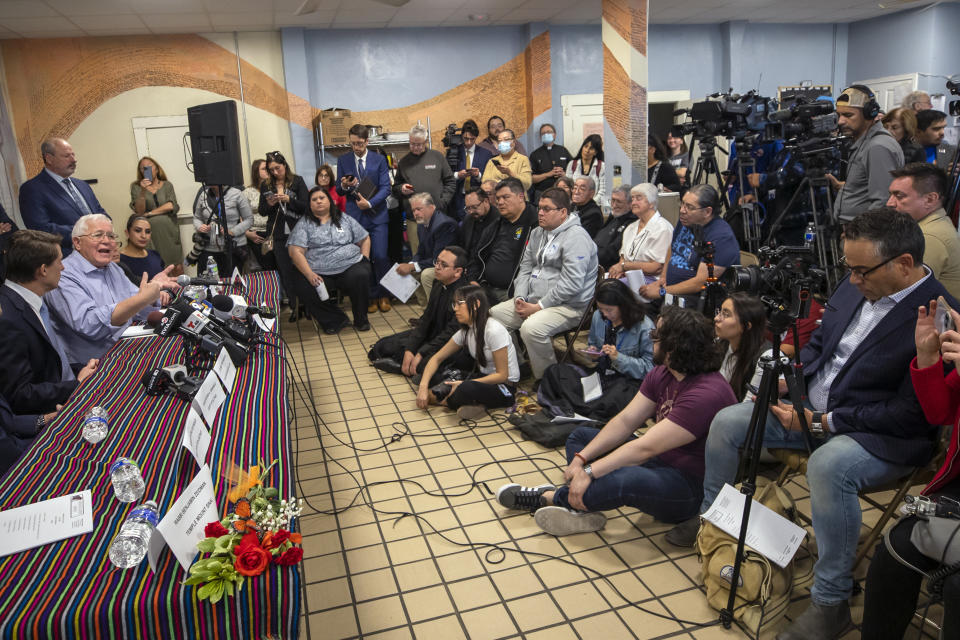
(200, 242)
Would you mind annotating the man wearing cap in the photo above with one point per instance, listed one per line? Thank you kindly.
(873, 155)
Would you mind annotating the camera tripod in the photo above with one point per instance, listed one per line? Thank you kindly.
(773, 366)
(707, 168)
(749, 211)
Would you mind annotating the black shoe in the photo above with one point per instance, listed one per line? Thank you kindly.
(414, 322)
(336, 328)
(388, 365)
(363, 326)
(514, 496)
(819, 621)
(685, 533)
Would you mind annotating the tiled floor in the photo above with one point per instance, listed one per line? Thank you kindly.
(373, 571)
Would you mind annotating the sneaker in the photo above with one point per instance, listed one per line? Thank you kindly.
(819, 621)
(472, 412)
(513, 496)
(560, 521)
(685, 533)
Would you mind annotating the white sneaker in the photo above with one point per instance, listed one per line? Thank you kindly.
(560, 521)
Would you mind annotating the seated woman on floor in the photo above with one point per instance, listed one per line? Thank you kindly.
(740, 325)
(660, 472)
(489, 343)
(620, 343)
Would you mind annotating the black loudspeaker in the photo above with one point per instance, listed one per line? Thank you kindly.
(215, 143)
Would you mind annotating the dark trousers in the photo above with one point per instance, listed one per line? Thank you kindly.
(491, 396)
(354, 282)
(264, 261)
(378, 255)
(239, 255)
(285, 269)
(892, 588)
(394, 347)
(395, 236)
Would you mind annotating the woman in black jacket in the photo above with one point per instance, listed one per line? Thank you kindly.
(284, 198)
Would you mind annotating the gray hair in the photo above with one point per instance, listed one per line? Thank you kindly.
(624, 189)
(49, 146)
(590, 182)
(418, 131)
(81, 226)
(914, 97)
(648, 191)
(422, 197)
(706, 196)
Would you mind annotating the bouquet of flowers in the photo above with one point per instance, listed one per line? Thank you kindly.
(248, 539)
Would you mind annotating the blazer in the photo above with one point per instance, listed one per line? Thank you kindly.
(440, 232)
(45, 206)
(872, 399)
(481, 156)
(30, 370)
(379, 174)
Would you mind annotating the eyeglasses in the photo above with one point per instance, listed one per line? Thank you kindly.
(440, 263)
(99, 236)
(457, 303)
(863, 272)
(548, 208)
(686, 207)
(471, 208)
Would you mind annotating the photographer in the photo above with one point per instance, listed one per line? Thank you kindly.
(861, 407)
(874, 154)
(238, 218)
(892, 587)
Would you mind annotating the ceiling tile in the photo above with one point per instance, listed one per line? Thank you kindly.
(118, 21)
(46, 24)
(151, 7)
(116, 32)
(430, 15)
(530, 15)
(223, 6)
(57, 33)
(72, 8)
(245, 18)
(359, 25)
(25, 9)
(322, 17)
(190, 21)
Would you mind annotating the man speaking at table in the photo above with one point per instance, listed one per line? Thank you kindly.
(95, 302)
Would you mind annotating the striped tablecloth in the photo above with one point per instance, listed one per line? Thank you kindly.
(70, 589)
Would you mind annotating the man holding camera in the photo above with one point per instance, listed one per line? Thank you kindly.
(873, 155)
(861, 407)
(371, 210)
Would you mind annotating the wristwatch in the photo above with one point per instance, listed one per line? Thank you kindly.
(41, 423)
(587, 469)
(817, 428)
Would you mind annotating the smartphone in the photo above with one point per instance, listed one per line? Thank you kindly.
(942, 319)
(148, 173)
(593, 353)
(349, 176)
(496, 163)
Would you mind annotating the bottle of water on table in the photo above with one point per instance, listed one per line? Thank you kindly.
(129, 548)
(127, 480)
(95, 425)
(212, 268)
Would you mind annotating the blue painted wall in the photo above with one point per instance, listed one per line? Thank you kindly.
(685, 57)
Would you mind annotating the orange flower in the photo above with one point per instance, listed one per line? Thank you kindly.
(245, 481)
(296, 538)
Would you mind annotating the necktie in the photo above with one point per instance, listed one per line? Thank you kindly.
(466, 183)
(72, 190)
(66, 373)
(359, 167)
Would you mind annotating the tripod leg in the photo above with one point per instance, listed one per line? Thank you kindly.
(793, 388)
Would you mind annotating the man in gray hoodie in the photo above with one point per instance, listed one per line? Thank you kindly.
(555, 282)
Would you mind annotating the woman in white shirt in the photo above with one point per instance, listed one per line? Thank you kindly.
(589, 164)
(646, 241)
(740, 323)
(490, 345)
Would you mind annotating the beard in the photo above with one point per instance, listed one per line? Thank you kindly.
(659, 357)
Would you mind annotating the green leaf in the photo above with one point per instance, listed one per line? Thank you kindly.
(228, 588)
(223, 544)
(207, 545)
(271, 492)
(205, 590)
(194, 580)
(217, 592)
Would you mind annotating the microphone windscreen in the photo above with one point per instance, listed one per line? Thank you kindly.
(183, 280)
(222, 306)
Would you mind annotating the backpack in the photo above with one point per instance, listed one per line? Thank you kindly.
(764, 590)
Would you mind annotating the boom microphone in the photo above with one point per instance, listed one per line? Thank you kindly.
(206, 281)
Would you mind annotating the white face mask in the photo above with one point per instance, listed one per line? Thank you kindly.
(547, 138)
(504, 147)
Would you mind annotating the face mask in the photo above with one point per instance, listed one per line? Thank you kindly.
(504, 147)
(547, 138)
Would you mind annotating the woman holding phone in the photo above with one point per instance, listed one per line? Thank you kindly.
(152, 195)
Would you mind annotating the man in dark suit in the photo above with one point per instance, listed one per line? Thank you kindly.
(861, 406)
(472, 160)
(370, 213)
(435, 231)
(53, 201)
(35, 375)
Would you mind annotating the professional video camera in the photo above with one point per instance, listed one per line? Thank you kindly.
(805, 120)
(729, 115)
(452, 140)
(787, 281)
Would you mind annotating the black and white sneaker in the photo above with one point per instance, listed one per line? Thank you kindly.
(513, 496)
(560, 521)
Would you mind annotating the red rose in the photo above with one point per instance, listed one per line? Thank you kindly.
(291, 556)
(250, 539)
(251, 560)
(215, 530)
(277, 539)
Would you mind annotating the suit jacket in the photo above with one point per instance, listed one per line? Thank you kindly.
(379, 173)
(5, 239)
(872, 398)
(438, 322)
(591, 216)
(16, 435)
(45, 206)
(30, 370)
(440, 232)
(481, 156)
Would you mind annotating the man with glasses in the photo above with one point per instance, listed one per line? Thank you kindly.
(471, 161)
(591, 217)
(479, 214)
(435, 231)
(860, 407)
(53, 200)
(95, 302)
(685, 272)
(555, 281)
(407, 352)
(423, 170)
(510, 163)
(493, 263)
(610, 236)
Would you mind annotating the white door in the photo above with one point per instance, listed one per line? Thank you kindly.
(164, 138)
(891, 90)
(582, 116)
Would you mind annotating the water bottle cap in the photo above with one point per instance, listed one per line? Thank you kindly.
(150, 503)
(119, 462)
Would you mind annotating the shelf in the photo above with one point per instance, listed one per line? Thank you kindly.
(371, 143)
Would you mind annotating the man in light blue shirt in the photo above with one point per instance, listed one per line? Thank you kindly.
(96, 302)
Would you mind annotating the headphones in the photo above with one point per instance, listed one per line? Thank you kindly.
(871, 108)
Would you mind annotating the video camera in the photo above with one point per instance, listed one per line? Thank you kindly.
(804, 120)
(729, 115)
(452, 139)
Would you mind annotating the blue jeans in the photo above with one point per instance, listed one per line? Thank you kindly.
(665, 492)
(836, 471)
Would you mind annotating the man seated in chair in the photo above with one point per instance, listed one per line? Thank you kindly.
(861, 408)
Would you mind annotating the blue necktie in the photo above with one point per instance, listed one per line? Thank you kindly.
(360, 167)
(77, 198)
(66, 373)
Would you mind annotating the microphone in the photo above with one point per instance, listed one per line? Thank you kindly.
(223, 307)
(924, 508)
(171, 379)
(206, 281)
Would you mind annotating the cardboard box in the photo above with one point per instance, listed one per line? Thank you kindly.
(336, 125)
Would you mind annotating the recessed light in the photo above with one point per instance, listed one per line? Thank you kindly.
(478, 17)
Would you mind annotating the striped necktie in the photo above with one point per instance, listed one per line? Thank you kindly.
(77, 198)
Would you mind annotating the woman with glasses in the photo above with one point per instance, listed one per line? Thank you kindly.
(646, 241)
(152, 195)
(283, 199)
(740, 325)
(589, 164)
(332, 250)
(135, 255)
(489, 343)
(324, 178)
(902, 125)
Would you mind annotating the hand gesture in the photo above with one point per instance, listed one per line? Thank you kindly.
(572, 469)
(926, 336)
(610, 350)
(315, 279)
(204, 228)
(406, 189)
(505, 170)
(253, 237)
(526, 309)
(5, 227)
(145, 183)
(788, 417)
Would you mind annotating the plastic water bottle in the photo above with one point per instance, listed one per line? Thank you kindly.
(126, 479)
(95, 425)
(212, 268)
(129, 548)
